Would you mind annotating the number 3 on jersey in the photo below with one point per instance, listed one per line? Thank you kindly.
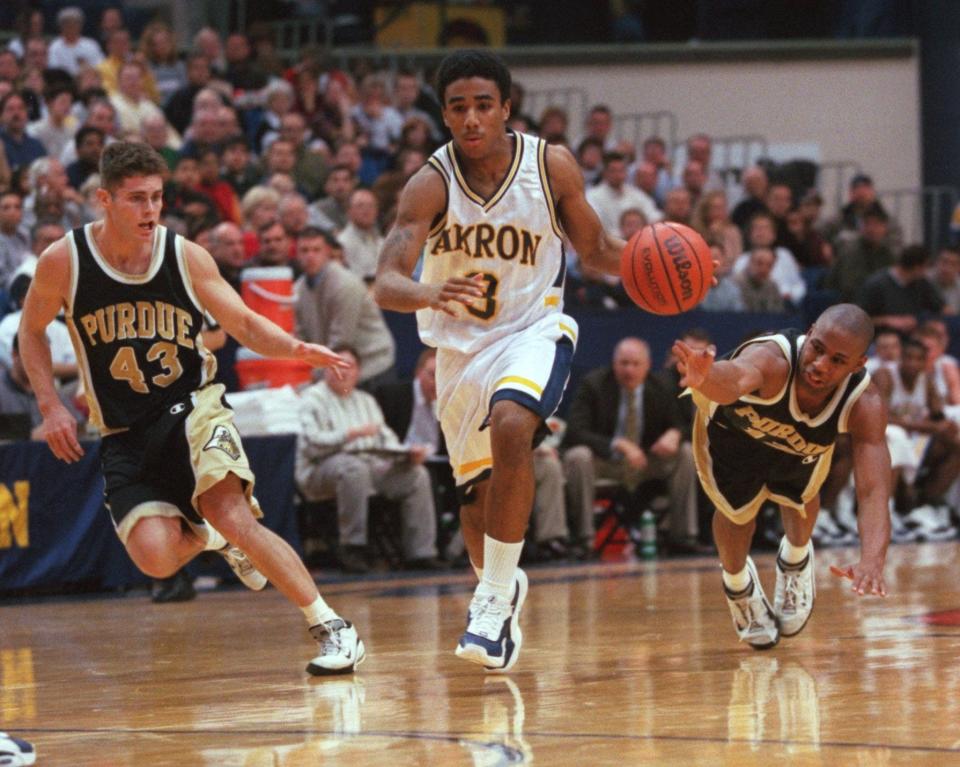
(125, 368)
(489, 307)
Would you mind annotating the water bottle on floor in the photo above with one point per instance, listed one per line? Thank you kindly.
(648, 535)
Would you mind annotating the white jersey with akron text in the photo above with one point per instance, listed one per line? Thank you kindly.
(512, 241)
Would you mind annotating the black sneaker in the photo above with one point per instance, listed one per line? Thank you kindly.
(177, 588)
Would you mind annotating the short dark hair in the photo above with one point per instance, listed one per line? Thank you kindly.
(603, 108)
(125, 159)
(341, 348)
(875, 210)
(912, 342)
(697, 334)
(12, 94)
(315, 232)
(611, 157)
(85, 131)
(464, 64)
(913, 256)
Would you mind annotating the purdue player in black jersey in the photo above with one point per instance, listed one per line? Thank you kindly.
(177, 480)
(766, 424)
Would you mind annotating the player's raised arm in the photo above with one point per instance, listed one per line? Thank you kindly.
(47, 294)
(760, 368)
(596, 247)
(871, 471)
(253, 330)
(422, 201)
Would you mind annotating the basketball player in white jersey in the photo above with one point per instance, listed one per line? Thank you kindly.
(489, 213)
(177, 481)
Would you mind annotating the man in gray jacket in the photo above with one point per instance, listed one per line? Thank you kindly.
(333, 307)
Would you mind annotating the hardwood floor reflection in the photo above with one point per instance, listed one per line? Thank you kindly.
(622, 664)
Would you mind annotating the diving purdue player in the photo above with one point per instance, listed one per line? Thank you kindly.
(766, 424)
(490, 212)
(177, 480)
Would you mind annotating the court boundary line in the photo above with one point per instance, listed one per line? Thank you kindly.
(469, 737)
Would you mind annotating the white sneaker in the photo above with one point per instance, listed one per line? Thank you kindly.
(932, 523)
(900, 531)
(795, 591)
(753, 617)
(341, 650)
(241, 565)
(15, 752)
(493, 635)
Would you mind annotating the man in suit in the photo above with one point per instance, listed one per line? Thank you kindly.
(409, 408)
(637, 439)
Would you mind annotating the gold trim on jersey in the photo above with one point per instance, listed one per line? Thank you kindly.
(156, 257)
(526, 382)
(434, 163)
(571, 333)
(551, 301)
(207, 360)
(487, 205)
(547, 189)
(74, 272)
(466, 468)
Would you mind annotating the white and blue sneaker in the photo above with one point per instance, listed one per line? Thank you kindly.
(15, 752)
(493, 637)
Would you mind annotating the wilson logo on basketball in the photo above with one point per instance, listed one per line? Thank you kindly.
(681, 264)
(651, 276)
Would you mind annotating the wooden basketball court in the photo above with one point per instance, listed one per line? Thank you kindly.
(633, 664)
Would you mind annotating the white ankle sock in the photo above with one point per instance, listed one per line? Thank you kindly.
(736, 582)
(792, 555)
(477, 570)
(500, 565)
(318, 612)
(215, 540)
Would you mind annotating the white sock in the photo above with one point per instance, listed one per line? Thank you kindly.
(500, 566)
(793, 555)
(736, 582)
(215, 540)
(318, 612)
(477, 570)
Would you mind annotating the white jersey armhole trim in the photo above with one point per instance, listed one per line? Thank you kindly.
(784, 345)
(156, 257)
(185, 274)
(851, 401)
(74, 273)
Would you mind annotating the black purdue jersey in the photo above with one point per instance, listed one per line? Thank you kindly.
(756, 446)
(137, 337)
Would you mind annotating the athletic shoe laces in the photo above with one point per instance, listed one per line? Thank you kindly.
(331, 643)
(487, 615)
(750, 620)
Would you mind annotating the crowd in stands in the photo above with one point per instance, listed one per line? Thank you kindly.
(300, 164)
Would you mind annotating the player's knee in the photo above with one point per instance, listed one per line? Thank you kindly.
(154, 562)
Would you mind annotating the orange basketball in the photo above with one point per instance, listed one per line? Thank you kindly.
(666, 268)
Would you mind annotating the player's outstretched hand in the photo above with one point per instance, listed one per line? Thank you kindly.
(694, 365)
(59, 429)
(319, 356)
(867, 577)
(457, 290)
